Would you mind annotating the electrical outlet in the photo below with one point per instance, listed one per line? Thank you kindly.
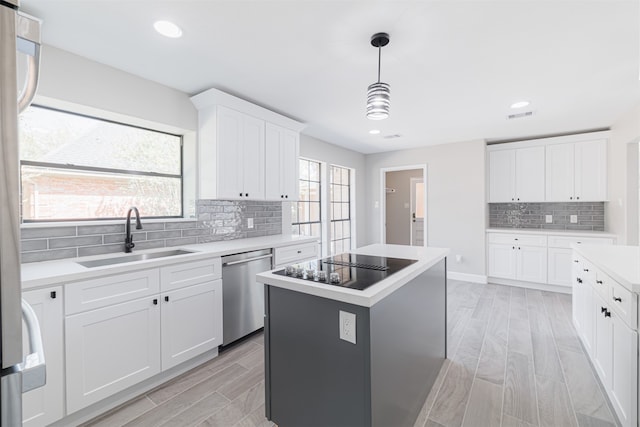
(249, 222)
(548, 219)
(573, 219)
(347, 326)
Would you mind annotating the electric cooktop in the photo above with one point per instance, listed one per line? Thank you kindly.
(347, 270)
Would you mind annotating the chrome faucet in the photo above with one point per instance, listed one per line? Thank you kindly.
(128, 241)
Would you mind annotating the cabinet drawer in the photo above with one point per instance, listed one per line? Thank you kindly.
(190, 273)
(623, 301)
(105, 291)
(600, 282)
(296, 253)
(518, 239)
(567, 241)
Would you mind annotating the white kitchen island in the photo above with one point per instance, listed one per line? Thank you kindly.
(379, 375)
(606, 283)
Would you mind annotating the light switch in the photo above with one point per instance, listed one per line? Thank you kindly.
(249, 222)
(548, 219)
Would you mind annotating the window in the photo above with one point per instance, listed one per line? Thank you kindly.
(305, 215)
(75, 167)
(340, 209)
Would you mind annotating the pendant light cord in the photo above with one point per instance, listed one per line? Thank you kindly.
(379, 59)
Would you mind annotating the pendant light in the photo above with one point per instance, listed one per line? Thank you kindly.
(379, 93)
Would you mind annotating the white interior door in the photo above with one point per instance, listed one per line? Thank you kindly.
(417, 211)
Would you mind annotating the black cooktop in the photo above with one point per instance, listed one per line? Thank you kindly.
(354, 271)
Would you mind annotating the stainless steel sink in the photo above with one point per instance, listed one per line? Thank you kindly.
(131, 258)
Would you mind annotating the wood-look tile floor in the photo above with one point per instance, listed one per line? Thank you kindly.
(514, 360)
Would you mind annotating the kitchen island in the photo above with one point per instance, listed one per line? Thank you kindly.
(339, 356)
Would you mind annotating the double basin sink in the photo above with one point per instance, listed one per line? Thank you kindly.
(131, 258)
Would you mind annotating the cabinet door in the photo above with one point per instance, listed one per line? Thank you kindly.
(273, 162)
(502, 261)
(289, 149)
(253, 157)
(281, 154)
(531, 264)
(229, 154)
(502, 166)
(559, 266)
(588, 315)
(559, 173)
(44, 405)
(591, 171)
(110, 349)
(603, 341)
(530, 174)
(624, 393)
(191, 322)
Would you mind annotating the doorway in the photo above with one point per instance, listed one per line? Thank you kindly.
(403, 210)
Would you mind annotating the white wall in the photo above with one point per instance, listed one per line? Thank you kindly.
(456, 207)
(621, 212)
(67, 77)
(322, 151)
(71, 82)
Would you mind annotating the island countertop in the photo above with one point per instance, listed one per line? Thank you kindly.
(426, 257)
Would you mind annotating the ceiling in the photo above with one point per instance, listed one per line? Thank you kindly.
(454, 67)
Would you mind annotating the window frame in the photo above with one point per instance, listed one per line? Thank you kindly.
(331, 202)
(320, 201)
(102, 170)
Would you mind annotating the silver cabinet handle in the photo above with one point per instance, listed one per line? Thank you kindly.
(33, 368)
(242, 261)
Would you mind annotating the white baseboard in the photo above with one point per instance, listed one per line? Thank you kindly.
(532, 285)
(466, 277)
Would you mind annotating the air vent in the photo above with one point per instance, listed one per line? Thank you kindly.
(519, 115)
(395, 135)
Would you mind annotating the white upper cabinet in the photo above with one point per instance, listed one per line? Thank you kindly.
(591, 170)
(569, 168)
(234, 142)
(282, 146)
(234, 159)
(577, 172)
(516, 175)
(502, 170)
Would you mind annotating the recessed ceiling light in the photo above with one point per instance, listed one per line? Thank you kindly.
(374, 131)
(168, 29)
(519, 104)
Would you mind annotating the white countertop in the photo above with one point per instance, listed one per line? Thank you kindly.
(426, 257)
(622, 263)
(546, 231)
(38, 274)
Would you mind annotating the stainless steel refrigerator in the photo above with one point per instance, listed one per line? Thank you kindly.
(18, 33)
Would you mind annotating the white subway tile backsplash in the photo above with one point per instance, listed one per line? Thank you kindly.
(216, 220)
(532, 215)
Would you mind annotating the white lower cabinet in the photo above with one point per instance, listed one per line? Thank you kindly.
(540, 257)
(517, 256)
(624, 392)
(295, 253)
(113, 347)
(45, 405)
(609, 318)
(602, 354)
(190, 322)
(110, 349)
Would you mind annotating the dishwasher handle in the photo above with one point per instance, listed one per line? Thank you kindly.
(243, 261)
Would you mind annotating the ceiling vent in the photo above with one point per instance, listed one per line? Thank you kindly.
(394, 136)
(519, 115)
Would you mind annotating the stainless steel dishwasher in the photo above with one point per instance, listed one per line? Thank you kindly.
(242, 296)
